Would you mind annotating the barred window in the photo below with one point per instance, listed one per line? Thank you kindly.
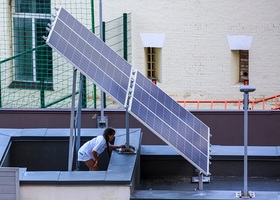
(33, 63)
(153, 62)
(243, 65)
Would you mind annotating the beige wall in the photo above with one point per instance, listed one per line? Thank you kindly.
(74, 192)
(196, 60)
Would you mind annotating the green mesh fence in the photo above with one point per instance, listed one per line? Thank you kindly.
(32, 75)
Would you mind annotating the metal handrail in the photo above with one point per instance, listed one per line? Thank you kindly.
(238, 102)
(22, 53)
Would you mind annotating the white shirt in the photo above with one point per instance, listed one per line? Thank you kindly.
(97, 144)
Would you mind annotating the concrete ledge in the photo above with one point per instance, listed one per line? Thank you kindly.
(120, 168)
(197, 195)
(225, 161)
(216, 151)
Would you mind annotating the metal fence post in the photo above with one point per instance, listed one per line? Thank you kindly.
(125, 36)
(0, 88)
(42, 93)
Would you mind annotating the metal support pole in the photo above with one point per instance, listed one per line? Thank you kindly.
(101, 37)
(79, 119)
(100, 20)
(200, 180)
(102, 121)
(125, 57)
(246, 89)
(125, 54)
(245, 190)
(84, 89)
(128, 148)
(93, 30)
(127, 128)
(42, 93)
(72, 121)
(0, 88)
(104, 39)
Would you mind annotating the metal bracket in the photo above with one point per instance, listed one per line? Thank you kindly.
(200, 179)
(102, 123)
(206, 179)
(249, 196)
(238, 194)
(252, 194)
(127, 149)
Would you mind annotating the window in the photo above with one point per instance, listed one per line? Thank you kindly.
(153, 62)
(241, 44)
(243, 65)
(34, 62)
(153, 43)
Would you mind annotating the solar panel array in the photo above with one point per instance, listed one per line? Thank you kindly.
(171, 122)
(146, 101)
(90, 55)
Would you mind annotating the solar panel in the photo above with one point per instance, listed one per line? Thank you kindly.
(147, 102)
(171, 122)
(90, 55)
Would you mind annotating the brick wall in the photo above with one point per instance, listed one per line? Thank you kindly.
(196, 60)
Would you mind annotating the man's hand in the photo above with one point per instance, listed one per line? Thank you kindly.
(95, 167)
(116, 147)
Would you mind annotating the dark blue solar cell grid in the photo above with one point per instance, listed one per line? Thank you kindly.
(171, 104)
(169, 116)
(157, 125)
(86, 58)
(160, 113)
(92, 71)
(95, 42)
(89, 52)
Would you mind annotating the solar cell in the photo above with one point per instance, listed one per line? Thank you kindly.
(90, 55)
(149, 104)
(171, 122)
(169, 103)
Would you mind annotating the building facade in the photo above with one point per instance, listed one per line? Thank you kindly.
(205, 49)
(194, 49)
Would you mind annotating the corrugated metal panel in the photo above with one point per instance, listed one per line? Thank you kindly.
(9, 183)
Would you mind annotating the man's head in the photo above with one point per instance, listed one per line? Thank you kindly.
(109, 134)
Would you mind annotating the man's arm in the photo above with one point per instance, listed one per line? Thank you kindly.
(116, 147)
(94, 153)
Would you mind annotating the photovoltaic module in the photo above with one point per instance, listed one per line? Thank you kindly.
(145, 101)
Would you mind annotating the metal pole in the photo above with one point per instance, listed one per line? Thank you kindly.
(125, 57)
(125, 36)
(104, 39)
(127, 128)
(101, 37)
(246, 89)
(0, 88)
(93, 30)
(84, 89)
(79, 119)
(245, 190)
(72, 119)
(42, 93)
(200, 180)
(100, 20)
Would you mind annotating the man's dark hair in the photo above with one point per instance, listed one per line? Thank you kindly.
(108, 131)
